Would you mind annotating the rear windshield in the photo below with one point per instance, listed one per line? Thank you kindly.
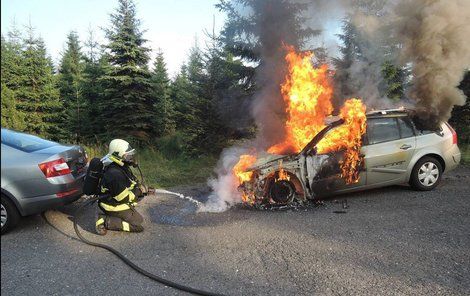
(25, 142)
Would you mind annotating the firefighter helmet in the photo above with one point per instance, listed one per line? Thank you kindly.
(121, 149)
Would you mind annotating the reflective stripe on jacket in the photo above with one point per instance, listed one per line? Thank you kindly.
(119, 182)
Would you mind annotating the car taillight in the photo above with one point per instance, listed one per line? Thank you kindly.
(55, 168)
(454, 134)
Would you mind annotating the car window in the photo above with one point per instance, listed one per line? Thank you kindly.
(24, 142)
(382, 130)
(427, 132)
(422, 127)
(406, 128)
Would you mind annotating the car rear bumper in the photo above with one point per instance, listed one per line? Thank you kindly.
(40, 204)
(452, 158)
(66, 193)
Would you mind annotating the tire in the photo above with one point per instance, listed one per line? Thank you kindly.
(282, 192)
(9, 215)
(426, 174)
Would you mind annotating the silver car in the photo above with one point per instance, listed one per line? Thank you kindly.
(37, 175)
(394, 152)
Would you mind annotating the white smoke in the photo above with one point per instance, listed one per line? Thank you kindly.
(224, 189)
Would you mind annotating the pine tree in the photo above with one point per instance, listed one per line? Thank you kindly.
(211, 82)
(366, 62)
(208, 79)
(38, 95)
(224, 95)
(165, 113)
(10, 66)
(11, 117)
(181, 95)
(196, 68)
(128, 108)
(197, 102)
(70, 82)
(256, 29)
(92, 88)
(349, 53)
(256, 33)
(12, 62)
(95, 95)
(394, 77)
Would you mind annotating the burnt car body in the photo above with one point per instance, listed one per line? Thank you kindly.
(394, 151)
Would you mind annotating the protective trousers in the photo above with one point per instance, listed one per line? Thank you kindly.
(127, 220)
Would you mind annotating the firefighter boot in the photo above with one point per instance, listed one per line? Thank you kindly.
(100, 226)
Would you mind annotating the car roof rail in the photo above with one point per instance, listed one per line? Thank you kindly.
(387, 111)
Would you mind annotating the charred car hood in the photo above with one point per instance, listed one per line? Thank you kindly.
(266, 159)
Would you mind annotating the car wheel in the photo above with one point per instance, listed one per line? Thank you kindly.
(9, 215)
(282, 192)
(426, 174)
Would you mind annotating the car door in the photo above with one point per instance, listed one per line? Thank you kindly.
(391, 144)
(324, 174)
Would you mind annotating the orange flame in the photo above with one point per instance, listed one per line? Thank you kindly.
(243, 164)
(282, 174)
(307, 92)
(239, 170)
(347, 136)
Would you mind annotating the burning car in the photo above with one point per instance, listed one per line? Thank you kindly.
(392, 150)
(321, 154)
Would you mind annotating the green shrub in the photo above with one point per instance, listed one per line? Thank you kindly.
(166, 169)
(171, 146)
(465, 150)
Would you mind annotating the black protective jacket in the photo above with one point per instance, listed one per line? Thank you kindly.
(121, 185)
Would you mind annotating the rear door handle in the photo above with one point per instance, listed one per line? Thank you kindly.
(405, 147)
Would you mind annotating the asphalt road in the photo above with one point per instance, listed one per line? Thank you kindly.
(390, 241)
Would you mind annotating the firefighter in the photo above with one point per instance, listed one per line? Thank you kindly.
(121, 190)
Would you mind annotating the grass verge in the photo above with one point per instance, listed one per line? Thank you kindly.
(465, 150)
(160, 171)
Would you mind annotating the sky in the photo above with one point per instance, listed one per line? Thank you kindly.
(172, 26)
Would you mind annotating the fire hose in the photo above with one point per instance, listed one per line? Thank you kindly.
(129, 262)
